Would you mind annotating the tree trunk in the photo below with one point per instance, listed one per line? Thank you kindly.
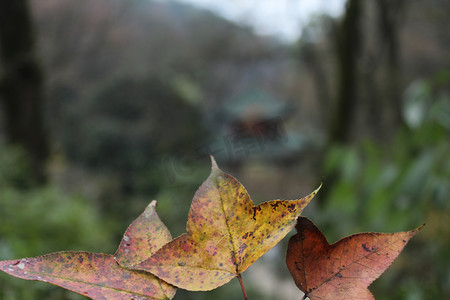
(348, 47)
(342, 113)
(21, 85)
(390, 16)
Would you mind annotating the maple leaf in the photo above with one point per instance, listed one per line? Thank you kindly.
(225, 234)
(98, 276)
(345, 269)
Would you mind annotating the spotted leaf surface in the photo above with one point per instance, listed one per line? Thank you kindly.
(99, 276)
(142, 238)
(225, 234)
(345, 269)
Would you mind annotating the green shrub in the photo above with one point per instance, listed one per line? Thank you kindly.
(35, 221)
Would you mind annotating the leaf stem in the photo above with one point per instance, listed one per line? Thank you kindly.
(242, 286)
(304, 297)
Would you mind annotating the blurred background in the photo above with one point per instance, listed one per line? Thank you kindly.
(108, 104)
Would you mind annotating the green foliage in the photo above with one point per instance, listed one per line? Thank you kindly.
(15, 169)
(28, 229)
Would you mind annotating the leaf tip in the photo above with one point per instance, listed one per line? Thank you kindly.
(303, 223)
(213, 162)
(420, 227)
(317, 189)
(311, 196)
(150, 209)
(416, 231)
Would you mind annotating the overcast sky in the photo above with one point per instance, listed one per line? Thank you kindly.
(283, 18)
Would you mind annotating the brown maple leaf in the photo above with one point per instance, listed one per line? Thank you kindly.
(345, 269)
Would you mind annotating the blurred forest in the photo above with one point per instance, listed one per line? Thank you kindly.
(108, 104)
